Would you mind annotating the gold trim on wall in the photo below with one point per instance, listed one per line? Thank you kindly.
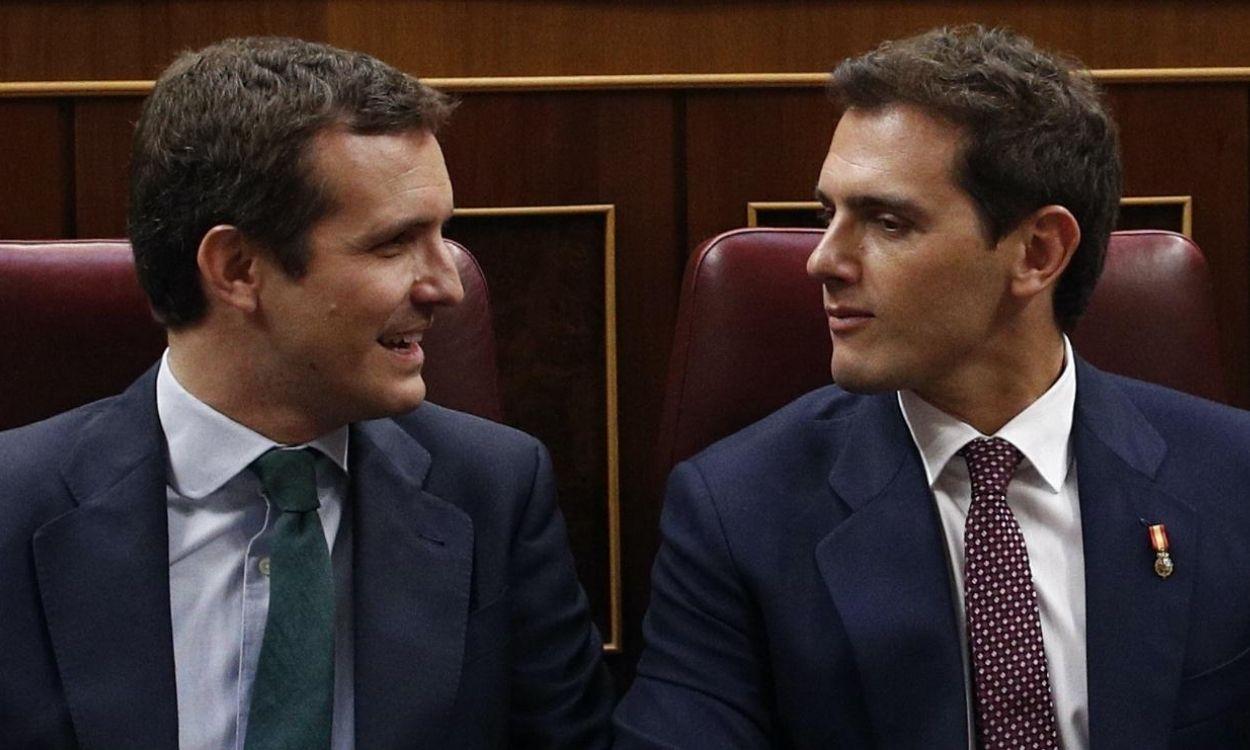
(614, 642)
(43, 89)
(1186, 202)
(1171, 75)
(754, 208)
(589, 208)
(35, 89)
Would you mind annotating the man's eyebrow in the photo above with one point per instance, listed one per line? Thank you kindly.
(384, 232)
(866, 203)
(890, 203)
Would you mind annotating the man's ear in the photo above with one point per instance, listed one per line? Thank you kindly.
(1050, 236)
(228, 268)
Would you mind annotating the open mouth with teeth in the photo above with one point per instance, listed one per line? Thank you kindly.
(406, 343)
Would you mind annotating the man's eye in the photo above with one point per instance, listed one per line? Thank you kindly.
(825, 215)
(391, 248)
(892, 224)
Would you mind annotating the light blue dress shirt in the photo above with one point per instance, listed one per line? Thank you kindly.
(219, 528)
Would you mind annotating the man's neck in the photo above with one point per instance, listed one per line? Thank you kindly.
(230, 385)
(988, 394)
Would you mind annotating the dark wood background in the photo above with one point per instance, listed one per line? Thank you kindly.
(679, 161)
(64, 40)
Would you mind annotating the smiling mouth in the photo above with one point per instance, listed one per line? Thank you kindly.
(402, 343)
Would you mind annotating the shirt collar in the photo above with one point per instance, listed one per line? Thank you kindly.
(1041, 432)
(207, 448)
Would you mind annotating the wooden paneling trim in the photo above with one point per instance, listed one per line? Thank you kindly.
(44, 89)
(618, 82)
(652, 81)
(755, 208)
(1186, 202)
(615, 641)
(1172, 75)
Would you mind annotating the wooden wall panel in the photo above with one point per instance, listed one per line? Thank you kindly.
(128, 39)
(102, 139)
(546, 275)
(1171, 149)
(1164, 213)
(748, 145)
(566, 37)
(36, 151)
(618, 148)
(71, 40)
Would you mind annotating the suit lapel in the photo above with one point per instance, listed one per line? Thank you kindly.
(886, 569)
(1135, 621)
(413, 561)
(103, 573)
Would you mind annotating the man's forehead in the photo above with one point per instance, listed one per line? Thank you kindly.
(345, 162)
(898, 142)
(374, 150)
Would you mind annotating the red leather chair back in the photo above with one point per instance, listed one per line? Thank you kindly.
(751, 332)
(1152, 316)
(76, 327)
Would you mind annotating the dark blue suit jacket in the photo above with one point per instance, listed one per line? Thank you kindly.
(802, 598)
(471, 628)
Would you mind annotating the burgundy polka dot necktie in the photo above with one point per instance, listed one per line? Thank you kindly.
(1012, 695)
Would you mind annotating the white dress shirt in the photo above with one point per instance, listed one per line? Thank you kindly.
(1043, 497)
(219, 534)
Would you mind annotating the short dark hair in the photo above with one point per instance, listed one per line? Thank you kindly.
(224, 139)
(1036, 129)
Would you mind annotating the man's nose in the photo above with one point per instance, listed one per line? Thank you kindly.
(836, 257)
(438, 281)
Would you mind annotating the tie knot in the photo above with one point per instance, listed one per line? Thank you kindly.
(991, 462)
(289, 478)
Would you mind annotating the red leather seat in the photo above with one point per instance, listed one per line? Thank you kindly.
(751, 331)
(77, 327)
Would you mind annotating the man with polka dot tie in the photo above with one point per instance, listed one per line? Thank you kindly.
(952, 546)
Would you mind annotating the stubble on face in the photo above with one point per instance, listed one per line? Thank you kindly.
(344, 338)
(911, 285)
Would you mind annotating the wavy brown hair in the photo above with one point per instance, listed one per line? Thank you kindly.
(1036, 132)
(224, 139)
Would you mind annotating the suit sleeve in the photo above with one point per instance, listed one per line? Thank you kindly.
(702, 680)
(561, 691)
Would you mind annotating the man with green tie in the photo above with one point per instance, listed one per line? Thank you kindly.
(264, 542)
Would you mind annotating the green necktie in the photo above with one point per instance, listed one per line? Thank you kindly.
(293, 695)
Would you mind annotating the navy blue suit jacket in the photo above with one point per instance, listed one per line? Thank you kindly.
(801, 597)
(471, 629)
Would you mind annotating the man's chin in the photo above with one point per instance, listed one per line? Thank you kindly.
(408, 403)
(855, 380)
(397, 402)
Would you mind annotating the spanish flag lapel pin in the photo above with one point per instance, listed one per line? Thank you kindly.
(1159, 543)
